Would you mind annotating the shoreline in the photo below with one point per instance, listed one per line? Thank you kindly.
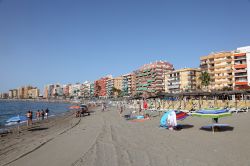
(44, 131)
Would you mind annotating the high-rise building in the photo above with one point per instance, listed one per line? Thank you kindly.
(75, 90)
(109, 87)
(15, 93)
(183, 80)
(4, 95)
(66, 90)
(150, 78)
(128, 84)
(100, 87)
(48, 91)
(33, 93)
(86, 89)
(242, 68)
(21, 93)
(220, 68)
(11, 94)
(92, 89)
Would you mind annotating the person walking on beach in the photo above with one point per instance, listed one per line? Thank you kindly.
(121, 108)
(29, 118)
(103, 107)
(139, 106)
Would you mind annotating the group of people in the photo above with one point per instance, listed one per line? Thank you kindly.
(80, 113)
(40, 115)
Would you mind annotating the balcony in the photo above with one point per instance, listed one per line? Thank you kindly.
(173, 87)
(239, 54)
(241, 83)
(241, 75)
(240, 66)
(240, 71)
(240, 58)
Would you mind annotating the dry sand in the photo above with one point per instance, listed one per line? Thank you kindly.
(106, 139)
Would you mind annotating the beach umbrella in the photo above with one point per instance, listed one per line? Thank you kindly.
(212, 113)
(215, 114)
(181, 115)
(74, 107)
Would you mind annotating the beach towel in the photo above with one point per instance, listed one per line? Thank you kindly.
(172, 119)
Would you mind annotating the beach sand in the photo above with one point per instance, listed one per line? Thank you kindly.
(106, 139)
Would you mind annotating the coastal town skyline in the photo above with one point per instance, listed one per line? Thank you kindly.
(41, 43)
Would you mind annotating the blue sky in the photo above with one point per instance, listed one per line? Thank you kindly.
(68, 41)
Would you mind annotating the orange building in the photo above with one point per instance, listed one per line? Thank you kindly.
(100, 87)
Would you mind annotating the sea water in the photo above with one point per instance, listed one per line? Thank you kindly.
(10, 108)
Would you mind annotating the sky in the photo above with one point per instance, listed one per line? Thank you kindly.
(69, 41)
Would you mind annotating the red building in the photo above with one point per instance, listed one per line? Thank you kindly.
(100, 87)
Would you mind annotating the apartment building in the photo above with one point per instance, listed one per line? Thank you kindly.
(150, 78)
(4, 95)
(242, 68)
(11, 94)
(33, 93)
(220, 68)
(128, 84)
(92, 89)
(86, 89)
(183, 80)
(66, 90)
(109, 86)
(100, 87)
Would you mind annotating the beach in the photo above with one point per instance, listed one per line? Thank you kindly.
(106, 138)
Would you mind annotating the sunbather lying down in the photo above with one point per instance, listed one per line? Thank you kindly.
(140, 118)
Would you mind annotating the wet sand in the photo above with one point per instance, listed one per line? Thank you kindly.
(106, 139)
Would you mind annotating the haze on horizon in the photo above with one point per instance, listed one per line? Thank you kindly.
(65, 41)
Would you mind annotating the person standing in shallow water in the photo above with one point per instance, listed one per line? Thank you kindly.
(38, 115)
(47, 113)
(31, 117)
(28, 118)
(42, 113)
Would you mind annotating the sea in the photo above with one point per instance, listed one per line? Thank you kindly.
(10, 109)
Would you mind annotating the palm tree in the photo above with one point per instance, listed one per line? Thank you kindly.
(205, 79)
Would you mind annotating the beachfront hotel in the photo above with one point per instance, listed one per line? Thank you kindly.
(150, 78)
(182, 80)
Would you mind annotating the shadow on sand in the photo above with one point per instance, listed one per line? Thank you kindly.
(217, 128)
(38, 129)
(184, 126)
